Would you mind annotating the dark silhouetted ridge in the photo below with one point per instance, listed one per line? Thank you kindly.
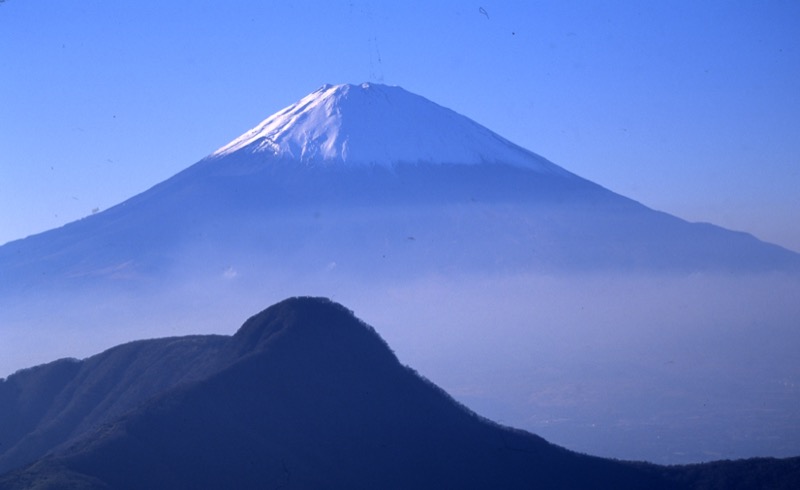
(309, 323)
(306, 396)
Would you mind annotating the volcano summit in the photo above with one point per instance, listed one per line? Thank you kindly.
(373, 124)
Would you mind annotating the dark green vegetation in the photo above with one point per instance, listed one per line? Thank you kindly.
(304, 395)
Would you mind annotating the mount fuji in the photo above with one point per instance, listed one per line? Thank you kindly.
(400, 167)
(506, 278)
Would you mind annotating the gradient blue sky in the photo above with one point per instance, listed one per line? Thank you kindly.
(688, 107)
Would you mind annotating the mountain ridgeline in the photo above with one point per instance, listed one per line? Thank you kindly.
(304, 395)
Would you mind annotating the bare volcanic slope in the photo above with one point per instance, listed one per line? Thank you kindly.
(346, 175)
(305, 395)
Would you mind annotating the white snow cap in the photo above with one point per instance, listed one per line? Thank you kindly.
(373, 124)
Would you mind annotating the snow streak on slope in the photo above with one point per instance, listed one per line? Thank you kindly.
(377, 124)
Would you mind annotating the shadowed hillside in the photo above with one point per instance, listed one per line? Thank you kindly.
(46, 406)
(304, 395)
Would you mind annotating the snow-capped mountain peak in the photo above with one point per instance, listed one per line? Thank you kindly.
(371, 124)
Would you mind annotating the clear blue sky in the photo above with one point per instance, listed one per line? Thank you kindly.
(689, 107)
